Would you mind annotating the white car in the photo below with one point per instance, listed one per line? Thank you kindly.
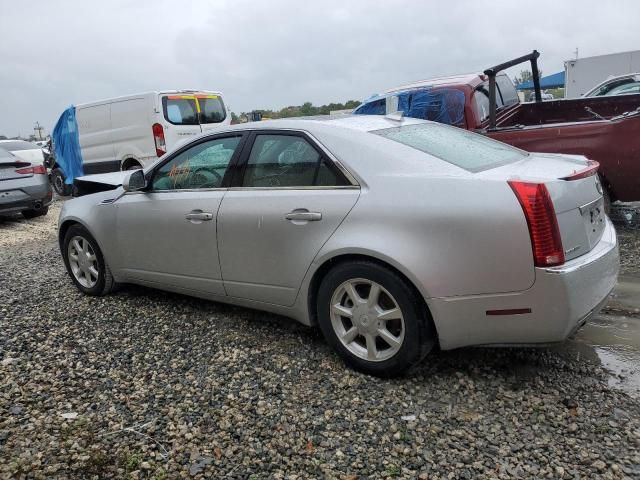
(130, 132)
(628, 84)
(27, 151)
(543, 95)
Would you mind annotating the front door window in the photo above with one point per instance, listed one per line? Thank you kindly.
(201, 166)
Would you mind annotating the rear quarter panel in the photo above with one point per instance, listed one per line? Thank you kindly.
(449, 236)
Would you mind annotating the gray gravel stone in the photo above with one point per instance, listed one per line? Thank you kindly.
(167, 386)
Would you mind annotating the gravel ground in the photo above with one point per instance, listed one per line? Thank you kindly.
(145, 384)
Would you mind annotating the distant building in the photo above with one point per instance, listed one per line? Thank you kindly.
(582, 74)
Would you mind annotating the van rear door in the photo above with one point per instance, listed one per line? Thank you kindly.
(213, 112)
(180, 113)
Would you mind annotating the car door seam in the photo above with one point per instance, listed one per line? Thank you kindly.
(322, 246)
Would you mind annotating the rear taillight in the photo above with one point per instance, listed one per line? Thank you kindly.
(591, 169)
(158, 138)
(37, 170)
(542, 222)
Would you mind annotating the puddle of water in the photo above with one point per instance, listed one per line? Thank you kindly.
(616, 341)
(626, 214)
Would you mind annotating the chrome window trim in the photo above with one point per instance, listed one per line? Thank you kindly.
(235, 189)
(265, 131)
(314, 187)
(220, 189)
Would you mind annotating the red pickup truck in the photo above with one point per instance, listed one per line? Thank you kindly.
(605, 129)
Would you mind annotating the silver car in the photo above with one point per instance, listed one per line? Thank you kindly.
(24, 186)
(392, 235)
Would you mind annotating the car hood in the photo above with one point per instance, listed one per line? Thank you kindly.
(100, 182)
(114, 178)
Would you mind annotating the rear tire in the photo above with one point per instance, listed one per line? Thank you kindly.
(385, 330)
(133, 165)
(57, 180)
(33, 213)
(85, 263)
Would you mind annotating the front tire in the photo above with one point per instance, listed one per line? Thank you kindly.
(85, 263)
(374, 319)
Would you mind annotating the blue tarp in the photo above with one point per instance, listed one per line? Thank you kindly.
(550, 81)
(66, 145)
(372, 106)
(443, 105)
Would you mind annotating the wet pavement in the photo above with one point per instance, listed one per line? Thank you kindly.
(615, 342)
(613, 337)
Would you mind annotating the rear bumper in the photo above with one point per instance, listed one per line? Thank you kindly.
(33, 197)
(561, 300)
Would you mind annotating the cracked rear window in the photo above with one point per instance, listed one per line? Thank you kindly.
(467, 150)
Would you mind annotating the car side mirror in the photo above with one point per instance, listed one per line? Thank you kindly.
(134, 181)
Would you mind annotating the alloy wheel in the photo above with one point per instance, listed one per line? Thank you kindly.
(83, 261)
(367, 320)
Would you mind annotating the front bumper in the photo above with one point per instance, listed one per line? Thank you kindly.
(561, 300)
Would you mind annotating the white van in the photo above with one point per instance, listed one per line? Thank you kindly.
(130, 132)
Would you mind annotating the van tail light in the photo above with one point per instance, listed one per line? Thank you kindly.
(591, 169)
(158, 138)
(37, 170)
(542, 222)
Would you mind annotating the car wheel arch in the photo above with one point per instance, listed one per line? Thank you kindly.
(329, 263)
(67, 224)
(129, 161)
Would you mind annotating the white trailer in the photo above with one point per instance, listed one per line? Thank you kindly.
(582, 74)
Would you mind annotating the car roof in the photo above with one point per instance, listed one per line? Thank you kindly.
(472, 79)
(363, 123)
(614, 78)
(146, 94)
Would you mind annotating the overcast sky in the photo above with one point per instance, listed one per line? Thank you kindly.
(270, 54)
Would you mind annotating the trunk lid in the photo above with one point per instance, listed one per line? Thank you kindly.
(8, 171)
(34, 156)
(578, 202)
(9, 164)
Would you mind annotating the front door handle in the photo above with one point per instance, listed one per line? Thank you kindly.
(303, 216)
(199, 215)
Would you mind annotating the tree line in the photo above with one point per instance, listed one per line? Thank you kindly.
(304, 110)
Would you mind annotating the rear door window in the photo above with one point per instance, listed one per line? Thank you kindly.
(376, 107)
(288, 161)
(211, 109)
(481, 102)
(180, 109)
(507, 90)
(193, 109)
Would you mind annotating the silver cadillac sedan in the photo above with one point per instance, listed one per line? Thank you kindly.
(392, 235)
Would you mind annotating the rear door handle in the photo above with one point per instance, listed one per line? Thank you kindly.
(303, 216)
(199, 215)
